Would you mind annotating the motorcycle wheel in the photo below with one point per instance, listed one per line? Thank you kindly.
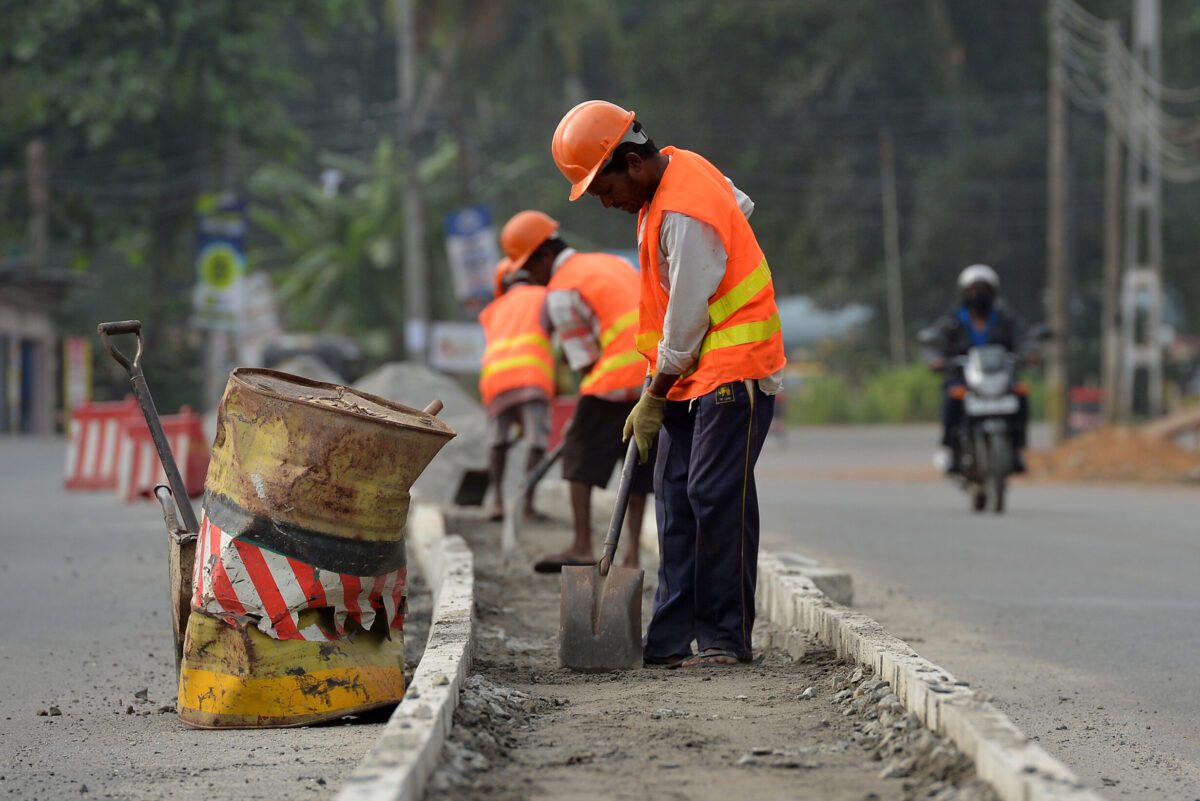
(999, 466)
(979, 468)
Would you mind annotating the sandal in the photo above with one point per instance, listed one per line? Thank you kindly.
(711, 657)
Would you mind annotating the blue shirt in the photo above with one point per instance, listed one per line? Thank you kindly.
(978, 338)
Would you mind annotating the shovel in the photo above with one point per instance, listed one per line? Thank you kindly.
(600, 622)
(181, 537)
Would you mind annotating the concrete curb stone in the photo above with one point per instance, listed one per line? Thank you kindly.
(399, 764)
(791, 596)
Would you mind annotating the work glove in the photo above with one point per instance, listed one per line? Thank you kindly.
(644, 422)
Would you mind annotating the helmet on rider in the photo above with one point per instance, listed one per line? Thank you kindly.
(979, 285)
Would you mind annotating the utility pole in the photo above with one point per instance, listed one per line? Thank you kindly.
(416, 282)
(891, 244)
(1143, 304)
(37, 187)
(1111, 311)
(1056, 231)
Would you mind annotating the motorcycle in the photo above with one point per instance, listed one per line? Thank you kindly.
(991, 400)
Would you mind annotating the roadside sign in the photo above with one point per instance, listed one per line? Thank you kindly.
(217, 300)
(456, 347)
(472, 250)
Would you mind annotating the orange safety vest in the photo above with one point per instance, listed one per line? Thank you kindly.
(518, 352)
(610, 287)
(743, 339)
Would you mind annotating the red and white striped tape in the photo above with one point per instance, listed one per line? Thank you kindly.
(235, 579)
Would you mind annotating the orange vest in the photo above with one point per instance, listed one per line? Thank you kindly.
(518, 352)
(743, 339)
(610, 287)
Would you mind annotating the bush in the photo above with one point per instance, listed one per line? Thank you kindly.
(821, 400)
(911, 394)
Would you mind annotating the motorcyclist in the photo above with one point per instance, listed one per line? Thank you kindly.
(981, 318)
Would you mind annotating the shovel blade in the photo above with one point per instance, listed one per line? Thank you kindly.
(600, 622)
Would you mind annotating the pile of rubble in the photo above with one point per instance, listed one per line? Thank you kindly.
(931, 767)
(486, 716)
(1117, 454)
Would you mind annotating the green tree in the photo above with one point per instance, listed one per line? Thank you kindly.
(336, 256)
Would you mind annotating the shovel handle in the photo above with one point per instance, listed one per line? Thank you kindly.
(142, 392)
(623, 490)
(106, 330)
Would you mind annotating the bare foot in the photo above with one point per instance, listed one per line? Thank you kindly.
(630, 562)
(536, 516)
(496, 514)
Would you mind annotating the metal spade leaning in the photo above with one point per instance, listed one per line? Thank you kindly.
(600, 622)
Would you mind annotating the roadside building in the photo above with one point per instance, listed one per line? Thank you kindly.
(30, 355)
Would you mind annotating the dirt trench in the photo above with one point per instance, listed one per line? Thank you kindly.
(527, 729)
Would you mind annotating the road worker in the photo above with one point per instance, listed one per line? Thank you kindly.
(709, 326)
(592, 307)
(517, 378)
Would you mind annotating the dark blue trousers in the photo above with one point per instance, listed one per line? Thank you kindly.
(707, 509)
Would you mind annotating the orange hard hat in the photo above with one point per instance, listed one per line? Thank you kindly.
(503, 267)
(524, 234)
(584, 140)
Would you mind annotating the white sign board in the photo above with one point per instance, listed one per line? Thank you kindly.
(456, 347)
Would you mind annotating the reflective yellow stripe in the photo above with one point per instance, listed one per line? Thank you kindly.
(516, 362)
(720, 309)
(744, 334)
(647, 340)
(723, 307)
(622, 322)
(609, 364)
(515, 342)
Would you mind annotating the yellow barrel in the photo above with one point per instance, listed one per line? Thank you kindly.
(300, 572)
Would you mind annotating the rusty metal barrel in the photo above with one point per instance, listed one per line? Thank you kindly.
(300, 576)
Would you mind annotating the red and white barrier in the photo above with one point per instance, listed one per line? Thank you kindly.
(138, 467)
(92, 443)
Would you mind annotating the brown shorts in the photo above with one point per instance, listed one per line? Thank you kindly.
(593, 445)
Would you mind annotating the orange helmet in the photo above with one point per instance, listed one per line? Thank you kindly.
(584, 140)
(503, 267)
(524, 234)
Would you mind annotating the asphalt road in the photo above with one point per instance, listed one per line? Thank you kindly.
(1078, 611)
(85, 630)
